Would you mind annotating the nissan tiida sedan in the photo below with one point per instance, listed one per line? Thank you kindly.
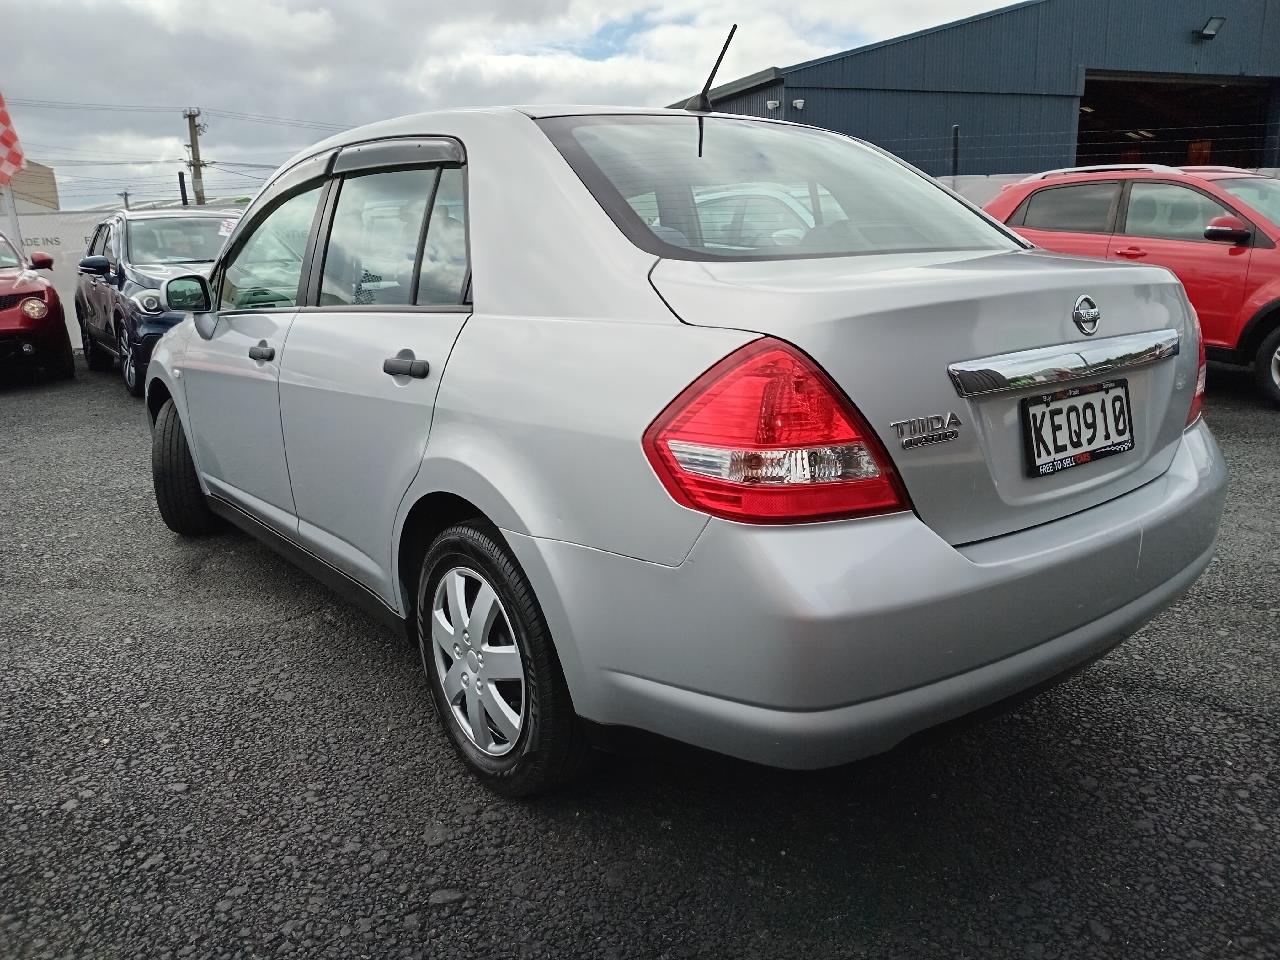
(788, 492)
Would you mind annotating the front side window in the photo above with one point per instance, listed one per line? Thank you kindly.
(443, 279)
(267, 268)
(373, 243)
(662, 179)
(178, 239)
(1170, 212)
(1081, 208)
(8, 256)
(111, 248)
(99, 241)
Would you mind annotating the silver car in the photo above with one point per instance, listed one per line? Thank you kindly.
(790, 495)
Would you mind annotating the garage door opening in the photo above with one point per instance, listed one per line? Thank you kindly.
(1173, 121)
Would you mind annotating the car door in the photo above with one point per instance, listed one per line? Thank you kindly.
(89, 285)
(108, 287)
(363, 360)
(232, 377)
(1164, 223)
(1075, 218)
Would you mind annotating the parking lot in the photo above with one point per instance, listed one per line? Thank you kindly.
(204, 753)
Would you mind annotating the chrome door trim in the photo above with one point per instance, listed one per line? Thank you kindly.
(1063, 363)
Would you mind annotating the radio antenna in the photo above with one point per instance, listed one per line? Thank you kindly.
(701, 102)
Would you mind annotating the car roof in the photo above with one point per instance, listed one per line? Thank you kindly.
(440, 122)
(1135, 172)
(173, 213)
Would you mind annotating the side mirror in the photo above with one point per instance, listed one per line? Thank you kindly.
(1228, 230)
(186, 294)
(41, 261)
(95, 266)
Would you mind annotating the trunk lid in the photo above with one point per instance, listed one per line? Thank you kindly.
(887, 328)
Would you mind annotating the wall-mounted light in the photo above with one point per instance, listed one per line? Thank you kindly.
(773, 104)
(1086, 109)
(798, 104)
(1211, 28)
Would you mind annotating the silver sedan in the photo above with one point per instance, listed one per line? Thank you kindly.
(739, 432)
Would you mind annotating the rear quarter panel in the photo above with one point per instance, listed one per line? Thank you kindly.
(539, 421)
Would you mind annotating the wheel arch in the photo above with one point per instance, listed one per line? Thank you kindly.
(157, 394)
(1262, 324)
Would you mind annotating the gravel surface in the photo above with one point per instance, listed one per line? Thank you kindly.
(203, 753)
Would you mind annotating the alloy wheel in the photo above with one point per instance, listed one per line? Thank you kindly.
(476, 661)
(126, 361)
(1275, 367)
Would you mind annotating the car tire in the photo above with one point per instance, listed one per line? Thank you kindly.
(178, 495)
(1266, 367)
(97, 358)
(546, 745)
(134, 377)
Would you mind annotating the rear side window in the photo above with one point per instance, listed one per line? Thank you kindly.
(721, 188)
(1082, 208)
(373, 243)
(443, 279)
(1168, 211)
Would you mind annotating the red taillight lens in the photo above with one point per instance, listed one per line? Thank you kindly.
(1197, 399)
(765, 436)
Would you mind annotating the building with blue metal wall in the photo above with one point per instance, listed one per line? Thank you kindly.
(1050, 83)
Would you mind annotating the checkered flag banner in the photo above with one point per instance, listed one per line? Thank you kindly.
(11, 159)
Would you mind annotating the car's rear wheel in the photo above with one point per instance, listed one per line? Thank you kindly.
(133, 381)
(94, 355)
(173, 473)
(494, 675)
(1266, 367)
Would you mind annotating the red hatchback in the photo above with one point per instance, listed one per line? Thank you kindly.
(32, 328)
(1215, 227)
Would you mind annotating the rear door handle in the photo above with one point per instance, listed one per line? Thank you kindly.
(1132, 253)
(262, 352)
(406, 367)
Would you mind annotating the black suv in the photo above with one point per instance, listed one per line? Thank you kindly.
(131, 255)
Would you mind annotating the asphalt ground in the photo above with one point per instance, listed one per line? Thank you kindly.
(204, 753)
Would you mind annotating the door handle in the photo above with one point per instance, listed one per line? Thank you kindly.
(406, 367)
(1131, 253)
(262, 352)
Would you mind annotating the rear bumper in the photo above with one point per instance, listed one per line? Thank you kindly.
(814, 645)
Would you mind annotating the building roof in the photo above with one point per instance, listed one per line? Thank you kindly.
(773, 74)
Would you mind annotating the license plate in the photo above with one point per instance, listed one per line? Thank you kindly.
(1076, 426)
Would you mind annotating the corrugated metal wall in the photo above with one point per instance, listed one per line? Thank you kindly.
(1012, 79)
(754, 103)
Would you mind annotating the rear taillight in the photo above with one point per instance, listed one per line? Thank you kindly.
(1197, 399)
(765, 436)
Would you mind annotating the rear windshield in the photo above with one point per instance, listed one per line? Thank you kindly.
(717, 188)
(1261, 193)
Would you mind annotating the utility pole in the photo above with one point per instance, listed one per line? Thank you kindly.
(193, 135)
(124, 195)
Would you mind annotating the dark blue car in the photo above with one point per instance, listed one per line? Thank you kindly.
(131, 255)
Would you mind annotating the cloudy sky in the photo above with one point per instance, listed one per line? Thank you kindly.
(96, 87)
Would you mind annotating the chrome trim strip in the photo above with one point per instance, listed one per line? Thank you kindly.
(1046, 366)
